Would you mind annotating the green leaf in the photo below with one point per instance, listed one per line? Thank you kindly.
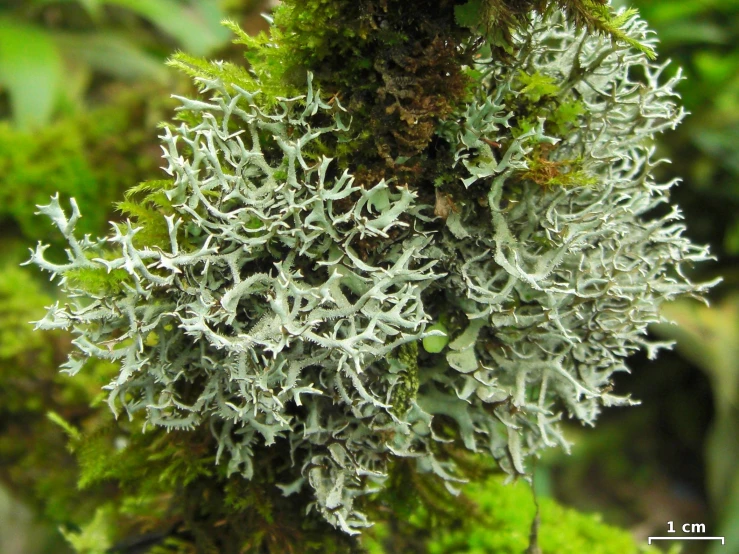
(196, 27)
(91, 6)
(112, 55)
(31, 72)
(685, 33)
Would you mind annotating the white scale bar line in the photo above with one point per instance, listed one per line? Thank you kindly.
(686, 539)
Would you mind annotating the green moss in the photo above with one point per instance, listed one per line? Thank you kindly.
(502, 525)
(566, 116)
(20, 301)
(33, 458)
(404, 393)
(539, 97)
(93, 537)
(97, 280)
(34, 166)
(169, 483)
(396, 66)
(147, 204)
(564, 173)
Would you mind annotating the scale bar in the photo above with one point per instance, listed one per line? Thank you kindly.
(686, 539)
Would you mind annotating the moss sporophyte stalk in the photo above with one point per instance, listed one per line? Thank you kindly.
(402, 230)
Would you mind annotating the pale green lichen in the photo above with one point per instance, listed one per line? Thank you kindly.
(264, 317)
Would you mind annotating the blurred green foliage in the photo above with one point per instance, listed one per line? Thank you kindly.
(709, 337)
(34, 462)
(53, 51)
(93, 156)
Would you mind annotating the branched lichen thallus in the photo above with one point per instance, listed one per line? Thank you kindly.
(242, 283)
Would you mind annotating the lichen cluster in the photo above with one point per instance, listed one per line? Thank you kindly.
(265, 293)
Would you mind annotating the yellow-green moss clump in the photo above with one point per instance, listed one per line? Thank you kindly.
(498, 520)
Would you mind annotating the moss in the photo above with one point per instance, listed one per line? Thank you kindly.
(537, 86)
(33, 457)
(536, 97)
(504, 515)
(180, 503)
(97, 280)
(147, 205)
(404, 393)
(396, 66)
(556, 173)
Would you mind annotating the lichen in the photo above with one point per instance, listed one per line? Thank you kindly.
(282, 303)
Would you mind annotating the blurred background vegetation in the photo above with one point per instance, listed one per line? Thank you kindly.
(82, 88)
